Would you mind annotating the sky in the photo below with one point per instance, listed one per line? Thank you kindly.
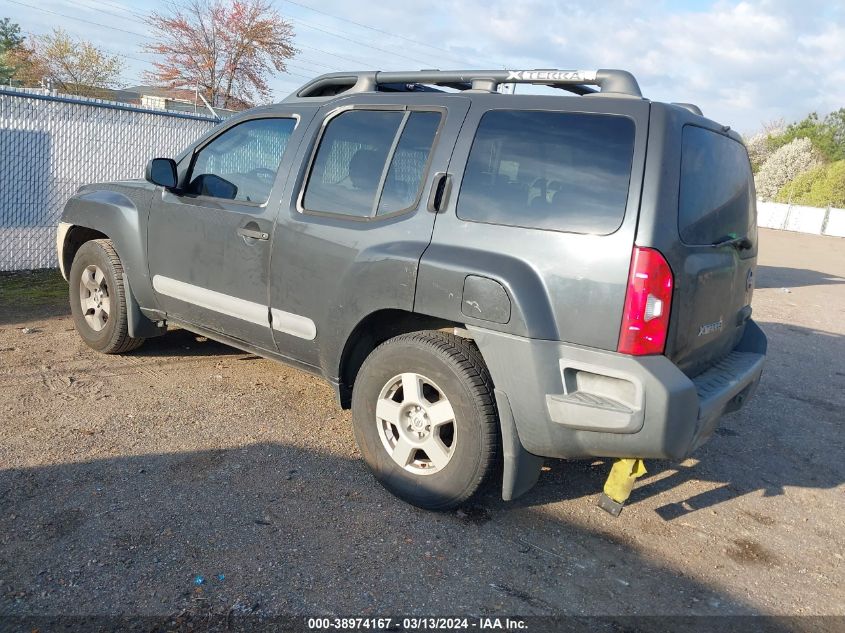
(743, 63)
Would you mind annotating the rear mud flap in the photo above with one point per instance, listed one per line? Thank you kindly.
(521, 468)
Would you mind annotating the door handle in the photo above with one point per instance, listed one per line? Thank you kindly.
(440, 190)
(253, 233)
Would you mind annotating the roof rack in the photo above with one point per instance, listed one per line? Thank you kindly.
(608, 81)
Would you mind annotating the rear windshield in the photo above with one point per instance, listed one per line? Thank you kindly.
(717, 190)
(561, 171)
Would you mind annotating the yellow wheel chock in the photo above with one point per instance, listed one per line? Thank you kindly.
(619, 484)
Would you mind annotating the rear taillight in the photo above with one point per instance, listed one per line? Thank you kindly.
(645, 320)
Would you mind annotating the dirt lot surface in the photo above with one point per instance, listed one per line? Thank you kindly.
(191, 476)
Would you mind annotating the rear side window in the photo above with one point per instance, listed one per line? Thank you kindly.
(405, 176)
(371, 162)
(717, 190)
(549, 170)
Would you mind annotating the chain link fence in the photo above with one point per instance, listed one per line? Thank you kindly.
(51, 145)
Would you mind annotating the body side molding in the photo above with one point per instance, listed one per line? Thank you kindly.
(250, 311)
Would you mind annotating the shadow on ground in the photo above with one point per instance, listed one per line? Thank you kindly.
(273, 529)
(179, 342)
(781, 277)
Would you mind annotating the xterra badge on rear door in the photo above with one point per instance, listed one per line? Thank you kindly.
(709, 328)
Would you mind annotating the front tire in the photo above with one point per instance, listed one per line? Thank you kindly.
(425, 418)
(98, 301)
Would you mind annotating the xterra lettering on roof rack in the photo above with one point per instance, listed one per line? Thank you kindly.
(551, 75)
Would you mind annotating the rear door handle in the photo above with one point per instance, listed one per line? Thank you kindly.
(254, 234)
(440, 189)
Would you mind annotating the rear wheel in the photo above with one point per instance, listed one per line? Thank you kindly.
(97, 299)
(425, 418)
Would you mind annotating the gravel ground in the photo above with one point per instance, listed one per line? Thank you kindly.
(189, 476)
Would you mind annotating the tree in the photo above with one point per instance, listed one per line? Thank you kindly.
(10, 35)
(10, 39)
(827, 135)
(25, 69)
(226, 48)
(836, 123)
(75, 66)
(785, 164)
(759, 145)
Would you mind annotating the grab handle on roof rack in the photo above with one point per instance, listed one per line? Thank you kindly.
(619, 81)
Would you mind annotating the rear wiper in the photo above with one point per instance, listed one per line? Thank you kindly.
(739, 243)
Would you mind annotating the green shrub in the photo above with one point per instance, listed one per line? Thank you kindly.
(819, 187)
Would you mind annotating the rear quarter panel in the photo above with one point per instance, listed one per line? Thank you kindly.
(562, 286)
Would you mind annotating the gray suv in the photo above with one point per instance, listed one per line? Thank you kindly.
(485, 279)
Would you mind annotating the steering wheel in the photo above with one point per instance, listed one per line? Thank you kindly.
(262, 173)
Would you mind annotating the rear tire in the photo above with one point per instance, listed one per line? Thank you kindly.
(98, 301)
(425, 418)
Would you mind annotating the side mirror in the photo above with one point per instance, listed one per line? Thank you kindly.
(214, 186)
(162, 172)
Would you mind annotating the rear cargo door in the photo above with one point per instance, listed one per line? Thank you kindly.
(715, 256)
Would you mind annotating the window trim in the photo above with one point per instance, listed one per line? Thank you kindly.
(474, 134)
(373, 217)
(197, 149)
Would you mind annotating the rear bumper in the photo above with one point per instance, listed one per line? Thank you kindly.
(571, 401)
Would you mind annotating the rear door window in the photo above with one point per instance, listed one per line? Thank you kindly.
(407, 168)
(371, 162)
(560, 171)
(716, 199)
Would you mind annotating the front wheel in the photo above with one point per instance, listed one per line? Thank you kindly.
(425, 418)
(97, 299)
